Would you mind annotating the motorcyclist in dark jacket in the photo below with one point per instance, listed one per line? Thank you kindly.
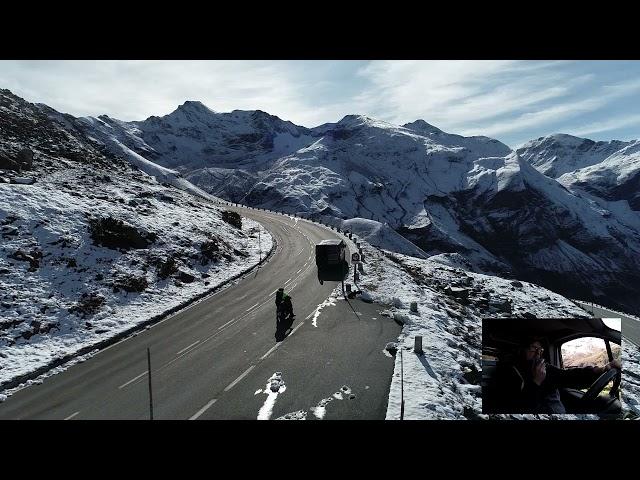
(283, 303)
(287, 305)
(279, 295)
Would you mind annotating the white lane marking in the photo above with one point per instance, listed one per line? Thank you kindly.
(294, 330)
(203, 409)
(287, 281)
(72, 415)
(251, 308)
(132, 380)
(220, 328)
(233, 384)
(302, 250)
(271, 350)
(187, 348)
(298, 271)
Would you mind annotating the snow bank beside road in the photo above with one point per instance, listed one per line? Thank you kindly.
(444, 383)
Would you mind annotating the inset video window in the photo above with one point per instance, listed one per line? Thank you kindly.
(551, 366)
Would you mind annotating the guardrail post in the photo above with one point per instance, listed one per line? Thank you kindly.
(417, 347)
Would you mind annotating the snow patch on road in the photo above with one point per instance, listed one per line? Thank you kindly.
(298, 415)
(329, 302)
(275, 386)
(321, 409)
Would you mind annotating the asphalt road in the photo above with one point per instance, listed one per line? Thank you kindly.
(630, 326)
(210, 360)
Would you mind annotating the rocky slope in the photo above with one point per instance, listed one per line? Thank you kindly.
(91, 246)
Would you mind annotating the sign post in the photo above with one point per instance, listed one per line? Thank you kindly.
(355, 259)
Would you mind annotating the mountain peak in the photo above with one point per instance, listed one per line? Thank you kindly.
(422, 127)
(353, 120)
(562, 139)
(194, 106)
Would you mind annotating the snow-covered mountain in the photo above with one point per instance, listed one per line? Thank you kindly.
(608, 170)
(466, 199)
(193, 137)
(91, 246)
(214, 150)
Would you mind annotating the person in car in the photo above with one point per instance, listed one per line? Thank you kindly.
(530, 385)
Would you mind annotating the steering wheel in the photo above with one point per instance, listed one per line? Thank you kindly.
(616, 385)
(601, 382)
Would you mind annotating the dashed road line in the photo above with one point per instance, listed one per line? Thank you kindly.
(271, 350)
(132, 380)
(72, 415)
(294, 330)
(233, 384)
(252, 307)
(203, 409)
(221, 327)
(187, 348)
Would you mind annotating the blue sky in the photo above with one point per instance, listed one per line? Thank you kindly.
(513, 101)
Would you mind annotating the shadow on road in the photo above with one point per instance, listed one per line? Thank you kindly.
(283, 329)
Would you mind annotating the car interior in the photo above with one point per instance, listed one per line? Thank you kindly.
(501, 339)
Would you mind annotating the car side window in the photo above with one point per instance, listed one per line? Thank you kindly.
(585, 352)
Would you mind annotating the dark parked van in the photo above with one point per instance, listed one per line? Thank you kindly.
(330, 253)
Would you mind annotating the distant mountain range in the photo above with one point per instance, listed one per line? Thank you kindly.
(560, 211)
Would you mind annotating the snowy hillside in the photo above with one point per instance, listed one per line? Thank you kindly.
(444, 383)
(91, 246)
(610, 170)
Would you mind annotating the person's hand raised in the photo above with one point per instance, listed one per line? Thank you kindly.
(539, 372)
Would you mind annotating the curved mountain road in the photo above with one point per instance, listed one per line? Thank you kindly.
(630, 326)
(214, 359)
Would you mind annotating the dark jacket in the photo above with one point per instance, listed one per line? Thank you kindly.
(286, 302)
(514, 390)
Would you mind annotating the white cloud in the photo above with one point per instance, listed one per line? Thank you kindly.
(486, 97)
(134, 90)
(607, 125)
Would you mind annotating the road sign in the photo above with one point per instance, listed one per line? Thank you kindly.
(355, 257)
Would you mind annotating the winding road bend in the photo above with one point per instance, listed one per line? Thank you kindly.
(214, 359)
